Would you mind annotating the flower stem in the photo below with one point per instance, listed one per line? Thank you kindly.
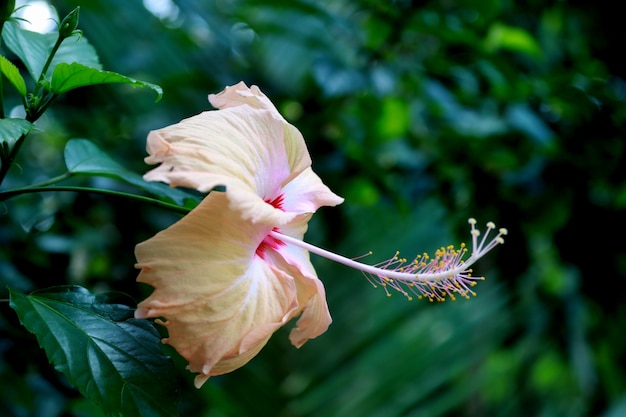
(46, 65)
(7, 160)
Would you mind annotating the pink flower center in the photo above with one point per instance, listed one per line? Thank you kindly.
(270, 241)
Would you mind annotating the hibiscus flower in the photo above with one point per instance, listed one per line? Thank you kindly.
(222, 282)
(235, 269)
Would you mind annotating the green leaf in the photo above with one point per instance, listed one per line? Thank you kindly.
(83, 157)
(394, 118)
(66, 77)
(11, 129)
(110, 357)
(74, 49)
(13, 75)
(33, 49)
(515, 39)
(30, 47)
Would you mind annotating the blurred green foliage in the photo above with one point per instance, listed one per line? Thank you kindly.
(421, 114)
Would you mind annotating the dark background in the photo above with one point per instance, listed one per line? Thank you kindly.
(421, 114)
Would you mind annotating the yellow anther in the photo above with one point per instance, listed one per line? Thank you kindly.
(491, 225)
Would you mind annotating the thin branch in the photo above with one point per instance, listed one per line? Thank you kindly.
(152, 201)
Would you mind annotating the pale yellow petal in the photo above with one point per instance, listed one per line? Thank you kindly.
(240, 145)
(239, 94)
(244, 149)
(312, 307)
(306, 193)
(220, 302)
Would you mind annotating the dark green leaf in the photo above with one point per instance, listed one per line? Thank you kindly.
(34, 48)
(83, 157)
(66, 77)
(112, 358)
(12, 74)
(12, 129)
